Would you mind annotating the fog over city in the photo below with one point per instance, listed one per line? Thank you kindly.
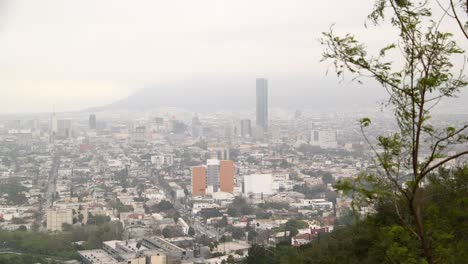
(81, 54)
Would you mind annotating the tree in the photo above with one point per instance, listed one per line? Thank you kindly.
(328, 178)
(236, 232)
(230, 260)
(14, 191)
(67, 227)
(163, 206)
(259, 255)
(191, 231)
(172, 231)
(380, 238)
(252, 234)
(223, 222)
(426, 76)
(97, 219)
(239, 206)
(178, 127)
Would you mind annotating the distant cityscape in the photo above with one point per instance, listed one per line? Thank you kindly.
(183, 187)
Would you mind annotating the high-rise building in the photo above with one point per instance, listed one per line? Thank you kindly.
(198, 180)
(262, 103)
(212, 174)
(53, 124)
(139, 136)
(197, 129)
(246, 128)
(226, 176)
(92, 121)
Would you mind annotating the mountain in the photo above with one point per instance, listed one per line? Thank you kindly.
(233, 94)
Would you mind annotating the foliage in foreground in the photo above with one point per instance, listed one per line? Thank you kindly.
(381, 239)
(24, 259)
(36, 243)
(59, 245)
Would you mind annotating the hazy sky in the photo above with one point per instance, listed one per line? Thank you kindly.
(77, 54)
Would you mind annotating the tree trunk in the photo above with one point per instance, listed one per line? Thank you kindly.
(425, 243)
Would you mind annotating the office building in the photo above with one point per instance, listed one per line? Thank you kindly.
(139, 136)
(212, 174)
(226, 176)
(198, 181)
(92, 121)
(246, 128)
(262, 103)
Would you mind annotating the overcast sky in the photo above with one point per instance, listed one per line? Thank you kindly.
(78, 54)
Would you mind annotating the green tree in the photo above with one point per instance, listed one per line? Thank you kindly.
(239, 207)
(172, 231)
(426, 76)
(230, 260)
(328, 178)
(191, 231)
(97, 219)
(14, 191)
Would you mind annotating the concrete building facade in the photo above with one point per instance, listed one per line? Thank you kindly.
(198, 181)
(56, 218)
(226, 176)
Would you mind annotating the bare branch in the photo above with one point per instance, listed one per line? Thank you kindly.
(436, 145)
(445, 161)
(458, 19)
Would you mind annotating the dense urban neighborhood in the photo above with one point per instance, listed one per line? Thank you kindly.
(176, 187)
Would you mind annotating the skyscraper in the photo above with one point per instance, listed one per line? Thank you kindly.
(226, 176)
(246, 129)
(198, 180)
(92, 121)
(262, 103)
(53, 129)
(53, 124)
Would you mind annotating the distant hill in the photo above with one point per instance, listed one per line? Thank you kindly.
(189, 96)
(232, 94)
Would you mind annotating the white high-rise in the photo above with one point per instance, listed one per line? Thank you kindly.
(212, 174)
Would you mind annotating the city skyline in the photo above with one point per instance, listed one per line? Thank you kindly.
(213, 131)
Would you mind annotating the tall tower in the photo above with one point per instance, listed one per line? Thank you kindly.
(92, 121)
(226, 176)
(53, 128)
(262, 103)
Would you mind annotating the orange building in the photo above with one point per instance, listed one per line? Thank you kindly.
(226, 176)
(198, 180)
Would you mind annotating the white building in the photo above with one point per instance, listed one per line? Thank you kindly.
(323, 138)
(258, 184)
(56, 218)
